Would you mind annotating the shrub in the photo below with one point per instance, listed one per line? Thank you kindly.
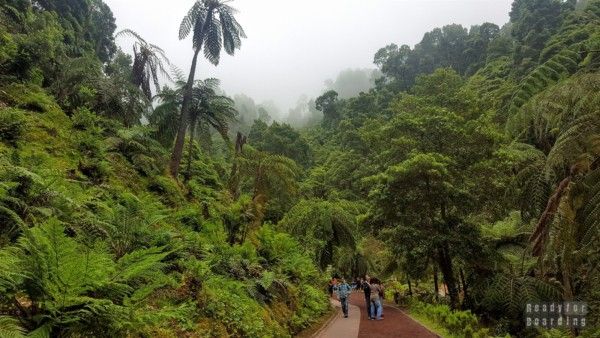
(28, 97)
(312, 304)
(461, 323)
(84, 119)
(94, 169)
(228, 302)
(45, 271)
(394, 290)
(145, 154)
(167, 190)
(12, 126)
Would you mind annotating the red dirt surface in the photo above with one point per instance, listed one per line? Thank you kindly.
(395, 323)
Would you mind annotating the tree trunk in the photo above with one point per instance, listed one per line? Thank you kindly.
(464, 283)
(183, 122)
(409, 286)
(234, 177)
(190, 150)
(445, 262)
(435, 283)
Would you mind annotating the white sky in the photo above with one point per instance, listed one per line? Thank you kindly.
(294, 46)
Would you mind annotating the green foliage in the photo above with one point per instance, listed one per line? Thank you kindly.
(461, 323)
(321, 226)
(280, 139)
(65, 287)
(29, 97)
(327, 104)
(543, 17)
(416, 177)
(227, 301)
(12, 125)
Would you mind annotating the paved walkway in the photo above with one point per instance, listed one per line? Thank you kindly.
(396, 324)
(341, 327)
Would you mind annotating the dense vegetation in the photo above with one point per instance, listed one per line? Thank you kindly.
(131, 209)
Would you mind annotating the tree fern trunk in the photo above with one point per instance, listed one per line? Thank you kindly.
(190, 149)
(183, 123)
(234, 178)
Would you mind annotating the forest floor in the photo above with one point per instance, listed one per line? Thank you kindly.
(395, 323)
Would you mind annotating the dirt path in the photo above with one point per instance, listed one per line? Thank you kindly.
(394, 324)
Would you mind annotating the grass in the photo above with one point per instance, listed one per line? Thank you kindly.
(431, 325)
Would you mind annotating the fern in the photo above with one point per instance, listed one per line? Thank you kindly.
(11, 328)
(559, 66)
(63, 285)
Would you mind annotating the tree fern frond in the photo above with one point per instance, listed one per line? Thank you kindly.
(192, 18)
(11, 328)
(213, 42)
(131, 33)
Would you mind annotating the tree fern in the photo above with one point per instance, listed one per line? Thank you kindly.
(11, 328)
(60, 285)
(559, 66)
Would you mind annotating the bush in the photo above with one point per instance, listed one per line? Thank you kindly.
(145, 154)
(167, 190)
(12, 125)
(28, 97)
(228, 302)
(85, 120)
(461, 323)
(94, 169)
(394, 290)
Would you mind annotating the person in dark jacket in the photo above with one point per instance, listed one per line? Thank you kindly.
(367, 290)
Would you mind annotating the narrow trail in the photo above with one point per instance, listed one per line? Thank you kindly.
(341, 327)
(395, 324)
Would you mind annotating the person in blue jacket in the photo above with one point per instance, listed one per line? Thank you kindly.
(343, 291)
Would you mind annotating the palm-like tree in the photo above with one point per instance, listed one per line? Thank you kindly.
(149, 62)
(211, 110)
(214, 28)
(207, 109)
(165, 116)
(321, 226)
(269, 175)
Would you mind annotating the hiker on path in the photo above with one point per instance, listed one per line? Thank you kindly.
(343, 292)
(376, 301)
(367, 290)
(330, 288)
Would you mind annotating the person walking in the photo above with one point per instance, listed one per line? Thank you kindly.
(332, 285)
(376, 305)
(366, 287)
(343, 292)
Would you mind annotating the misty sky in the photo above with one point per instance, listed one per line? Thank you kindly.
(294, 46)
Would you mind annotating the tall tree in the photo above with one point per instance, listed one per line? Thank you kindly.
(214, 28)
(327, 104)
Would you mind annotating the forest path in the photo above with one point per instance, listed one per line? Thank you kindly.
(395, 323)
(341, 327)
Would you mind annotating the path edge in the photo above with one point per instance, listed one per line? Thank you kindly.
(411, 318)
(330, 320)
